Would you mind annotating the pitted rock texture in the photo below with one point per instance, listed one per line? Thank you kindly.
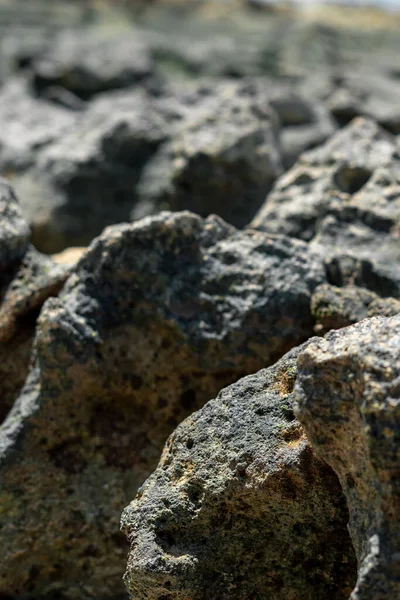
(239, 505)
(27, 278)
(366, 225)
(334, 307)
(382, 278)
(334, 172)
(353, 174)
(347, 398)
(157, 317)
(343, 198)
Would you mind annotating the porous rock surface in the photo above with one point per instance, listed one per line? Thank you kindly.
(347, 399)
(334, 307)
(157, 317)
(27, 278)
(335, 173)
(343, 198)
(330, 174)
(239, 505)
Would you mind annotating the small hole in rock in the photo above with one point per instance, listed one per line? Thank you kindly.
(351, 179)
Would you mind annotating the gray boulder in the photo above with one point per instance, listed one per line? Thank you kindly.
(379, 277)
(239, 505)
(157, 317)
(26, 125)
(209, 148)
(371, 94)
(366, 223)
(343, 198)
(86, 179)
(302, 197)
(87, 62)
(348, 402)
(223, 159)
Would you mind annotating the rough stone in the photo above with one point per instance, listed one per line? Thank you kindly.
(336, 170)
(347, 395)
(239, 505)
(379, 277)
(26, 124)
(334, 307)
(87, 63)
(27, 278)
(91, 170)
(157, 317)
(223, 160)
(305, 122)
(344, 199)
(298, 139)
(209, 148)
(371, 94)
(365, 224)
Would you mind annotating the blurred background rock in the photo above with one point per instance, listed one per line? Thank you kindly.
(103, 109)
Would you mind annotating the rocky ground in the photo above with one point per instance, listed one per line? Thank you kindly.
(200, 304)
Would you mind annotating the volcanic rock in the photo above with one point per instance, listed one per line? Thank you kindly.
(239, 505)
(86, 180)
(209, 148)
(157, 317)
(305, 122)
(347, 395)
(223, 160)
(343, 198)
(334, 307)
(339, 169)
(370, 94)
